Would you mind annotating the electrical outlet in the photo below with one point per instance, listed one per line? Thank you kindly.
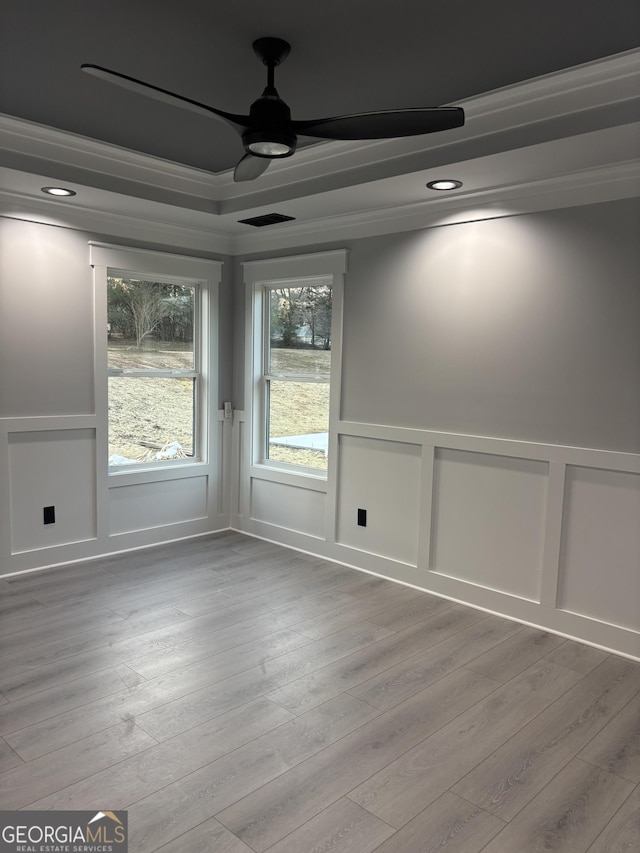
(49, 514)
(362, 518)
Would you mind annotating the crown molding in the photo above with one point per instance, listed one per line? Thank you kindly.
(590, 186)
(144, 198)
(602, 85)
(48, 211)
(61, 147)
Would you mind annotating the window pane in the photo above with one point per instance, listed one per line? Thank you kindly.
(149, 324)
(150, 416)
(300, 331)
(298, 422)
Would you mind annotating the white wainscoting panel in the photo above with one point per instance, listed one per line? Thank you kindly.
(296, 508)
(488, 520)
(600, 552)
(384, 478)
(146, 505)
(52, 468)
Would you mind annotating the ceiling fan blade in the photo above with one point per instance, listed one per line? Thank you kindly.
(250, 167)
(382, 125)
(126, 82)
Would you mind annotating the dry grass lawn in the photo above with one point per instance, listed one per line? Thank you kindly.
(146, 414)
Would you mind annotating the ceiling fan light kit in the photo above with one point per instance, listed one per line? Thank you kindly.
(269, 133)
(273, 145)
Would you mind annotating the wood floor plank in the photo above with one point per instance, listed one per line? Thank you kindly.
(144, 773)
(577, 656)
(196, 797)
(221, 695)
(313, 585)
(207, 837)
(567, 815)
(282, 582)
(128, 602)
(29, 782)
(448, 825)
(366, 608)
(69, 696)
(414, 780)
(511, 657)
(510, 777)
(277, 808)
(399, 682)
(211, 602)
(323, 684)
(364, 584)
(55, 732)
(8, 757)
(52, 663)
(242, 655)
(308, 605)
(419, 608)
(343, 827)
(133, 642)
(19, 606)
(617, 747)
(622, 834)
(59, 622)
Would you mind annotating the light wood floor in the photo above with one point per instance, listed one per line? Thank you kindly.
(235, 696)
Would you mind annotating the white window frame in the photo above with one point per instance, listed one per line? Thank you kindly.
(260, 277)
(204, 276)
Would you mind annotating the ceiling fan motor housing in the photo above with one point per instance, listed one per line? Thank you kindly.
(270, 133)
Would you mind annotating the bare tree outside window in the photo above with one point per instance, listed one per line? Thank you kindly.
(151, 369)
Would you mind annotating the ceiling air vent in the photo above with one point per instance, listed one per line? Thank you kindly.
(267, 219)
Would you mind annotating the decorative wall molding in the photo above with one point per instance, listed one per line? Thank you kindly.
(521, 569)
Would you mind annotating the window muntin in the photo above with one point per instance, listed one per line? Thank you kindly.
(152, 359)
(296, 375)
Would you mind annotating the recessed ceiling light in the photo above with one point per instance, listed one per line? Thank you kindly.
(444, 184)
(60, 191)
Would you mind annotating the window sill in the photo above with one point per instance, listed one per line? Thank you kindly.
(130, 475)
(305, 477)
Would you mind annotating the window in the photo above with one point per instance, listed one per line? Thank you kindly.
(297, 371)
(155, 361)
(293, 360)
(153, 371)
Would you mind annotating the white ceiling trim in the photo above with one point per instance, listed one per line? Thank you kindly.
(143, 198)
(70, 149)
(592, 86)
(50, 212)
(588, 187)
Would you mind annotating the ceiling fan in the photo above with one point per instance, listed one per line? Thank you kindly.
(269, 132)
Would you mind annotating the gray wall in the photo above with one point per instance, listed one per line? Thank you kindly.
(46, 320)
(524, 327)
